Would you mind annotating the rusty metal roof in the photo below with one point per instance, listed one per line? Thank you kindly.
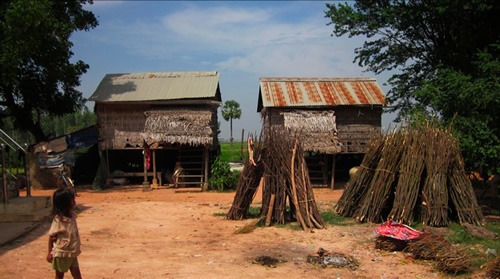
(157, 86)
(305, 92)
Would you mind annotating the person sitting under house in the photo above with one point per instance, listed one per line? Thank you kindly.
(178, 173)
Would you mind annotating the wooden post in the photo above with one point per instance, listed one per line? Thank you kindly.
(155, 180)
(205, 161)
(269, 214)
(4, 177)
(324, 168)
(27, 170)
(107, 163)
(145, 183)
(332, 184)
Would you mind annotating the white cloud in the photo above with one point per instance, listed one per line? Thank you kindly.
(300, 59)
(238, 29)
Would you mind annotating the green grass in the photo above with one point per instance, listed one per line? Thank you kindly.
(232, 152)
(253, 212)
(475, 246)
(220, 214)
(333, 219)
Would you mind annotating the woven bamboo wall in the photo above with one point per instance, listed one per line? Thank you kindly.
(128, 126)
(356, 126)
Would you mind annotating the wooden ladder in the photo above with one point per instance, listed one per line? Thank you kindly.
(194, 168)
(318, 173)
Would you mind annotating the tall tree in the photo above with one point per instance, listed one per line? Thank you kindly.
(416, 37)
(37, 77)
(434, 48)
(470, 104)
(231, 110)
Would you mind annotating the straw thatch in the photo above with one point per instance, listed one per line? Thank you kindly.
(318, 129)
(179, 126)
(129, 126)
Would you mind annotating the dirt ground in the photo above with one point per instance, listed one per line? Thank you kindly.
(130, 233)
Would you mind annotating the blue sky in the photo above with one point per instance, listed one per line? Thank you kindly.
(242, 40)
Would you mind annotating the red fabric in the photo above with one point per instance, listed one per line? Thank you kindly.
(398, 231)
(147, 152)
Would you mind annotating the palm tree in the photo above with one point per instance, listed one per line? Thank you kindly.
(231, 110)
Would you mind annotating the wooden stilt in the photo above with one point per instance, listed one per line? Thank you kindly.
(334, 161)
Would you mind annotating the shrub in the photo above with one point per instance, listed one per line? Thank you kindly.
(222, 178)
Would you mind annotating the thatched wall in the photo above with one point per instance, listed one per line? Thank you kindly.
(127, 126)
(318, 128)
(356, 126)
(182, 126)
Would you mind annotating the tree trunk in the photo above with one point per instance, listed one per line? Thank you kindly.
(231, 129)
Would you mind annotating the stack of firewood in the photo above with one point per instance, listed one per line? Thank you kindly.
(285, 182)
(411, 174)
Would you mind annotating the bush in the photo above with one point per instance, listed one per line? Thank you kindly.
(222, 178)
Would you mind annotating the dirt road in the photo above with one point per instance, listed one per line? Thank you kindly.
(130, 233)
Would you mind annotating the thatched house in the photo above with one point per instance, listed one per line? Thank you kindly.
(337, 118)
(149, 121)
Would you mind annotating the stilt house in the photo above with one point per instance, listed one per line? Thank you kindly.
(337, 118)
(148, 122)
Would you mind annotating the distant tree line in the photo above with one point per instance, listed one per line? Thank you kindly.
(53, 127)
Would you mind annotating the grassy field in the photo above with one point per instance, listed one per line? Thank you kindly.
(231, 152)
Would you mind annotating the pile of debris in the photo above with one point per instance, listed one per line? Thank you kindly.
(280, 169)
(325, 259)
(412, 174)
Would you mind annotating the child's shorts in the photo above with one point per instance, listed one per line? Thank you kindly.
(64, 264)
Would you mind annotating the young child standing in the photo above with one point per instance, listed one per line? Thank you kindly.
(64, 238)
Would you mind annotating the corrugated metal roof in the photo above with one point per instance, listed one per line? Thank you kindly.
(300, 92)
(156, 86)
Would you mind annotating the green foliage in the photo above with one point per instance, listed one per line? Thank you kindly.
(231, 110)
(221, 176)
(469, 103)
(445, 62)
(232, 152)
(416, 37)
(69, 123)
(38, 78)
(52, 126)
(254, 212)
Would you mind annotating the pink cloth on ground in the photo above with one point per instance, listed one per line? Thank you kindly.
(398, 231)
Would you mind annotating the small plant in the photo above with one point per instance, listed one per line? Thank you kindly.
(222, 177)
(253, 212)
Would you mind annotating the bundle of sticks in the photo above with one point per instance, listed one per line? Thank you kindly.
(415, 173)
(248, 182)
(285, 182)
(287, 178)
(448, 258)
